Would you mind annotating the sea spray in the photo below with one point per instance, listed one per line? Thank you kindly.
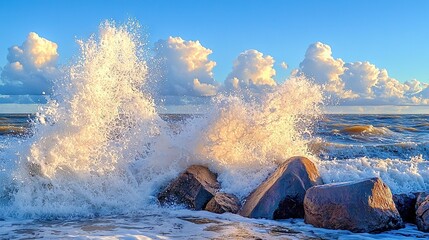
(99, 146)
(244, 141)
(98, 123)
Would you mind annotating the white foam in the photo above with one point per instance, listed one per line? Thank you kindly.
(402, 176)
(99, 146)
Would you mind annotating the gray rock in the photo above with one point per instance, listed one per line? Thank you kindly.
(193, 188)
(360, 206)
(420, 197)
(223, 202)
(281, 195)
(422, 212)
(405, 203)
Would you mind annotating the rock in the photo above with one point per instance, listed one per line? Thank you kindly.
(223, 202)
(405, 203)
(281, 195)
(420, 197)
(360, 206)
(422, 212)
(194, 188)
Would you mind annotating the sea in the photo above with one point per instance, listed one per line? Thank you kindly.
(90, 162)
(347, 146)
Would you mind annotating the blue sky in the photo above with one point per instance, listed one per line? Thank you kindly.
(391, 34)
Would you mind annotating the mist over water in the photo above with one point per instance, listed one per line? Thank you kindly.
(99, 147)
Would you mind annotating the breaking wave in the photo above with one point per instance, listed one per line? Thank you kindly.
(364, 130)
(99, 146)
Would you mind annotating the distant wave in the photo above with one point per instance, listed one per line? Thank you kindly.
(403, 150)
(364, 130)
(408, 129)
(12, 130)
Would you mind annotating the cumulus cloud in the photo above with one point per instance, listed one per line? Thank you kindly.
(419, 91)
(415, 86)
(251, 70)
(358, 83)
(323, 68)
(30, 68)
(187, 71)
(360, 77)
(186, 68)
(204, 89)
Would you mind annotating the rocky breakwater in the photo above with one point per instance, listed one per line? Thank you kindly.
(295, 190)
(360, 206)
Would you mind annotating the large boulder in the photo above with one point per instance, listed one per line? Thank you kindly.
(360, 206)
(281, 195)
(405, 203)
(223, 202)
(193, 188)
(422, 212)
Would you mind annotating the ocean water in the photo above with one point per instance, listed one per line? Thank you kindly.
(346, 147)
(90, 163)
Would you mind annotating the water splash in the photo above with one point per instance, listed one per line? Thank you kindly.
(99, 146)
(98, 123)
(244, 141)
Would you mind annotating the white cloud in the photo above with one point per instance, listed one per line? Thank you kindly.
(320, 66)
(30, 68)
(251, 70)
(360, 77)
(188, 72)
(389, 88)
(358, 83)
(415, 86)
(186, 68)
(420, 92)
(204, 89)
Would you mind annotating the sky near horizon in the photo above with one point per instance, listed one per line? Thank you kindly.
(384, 42)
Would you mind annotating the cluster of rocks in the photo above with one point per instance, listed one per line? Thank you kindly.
(197, 188)
(296, 190)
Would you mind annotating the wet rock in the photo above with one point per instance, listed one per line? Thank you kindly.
(193, 188)
(420, 197)
(360, 206)
(405, 203)
(422, 212)
(281, 195)
(223, 202)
